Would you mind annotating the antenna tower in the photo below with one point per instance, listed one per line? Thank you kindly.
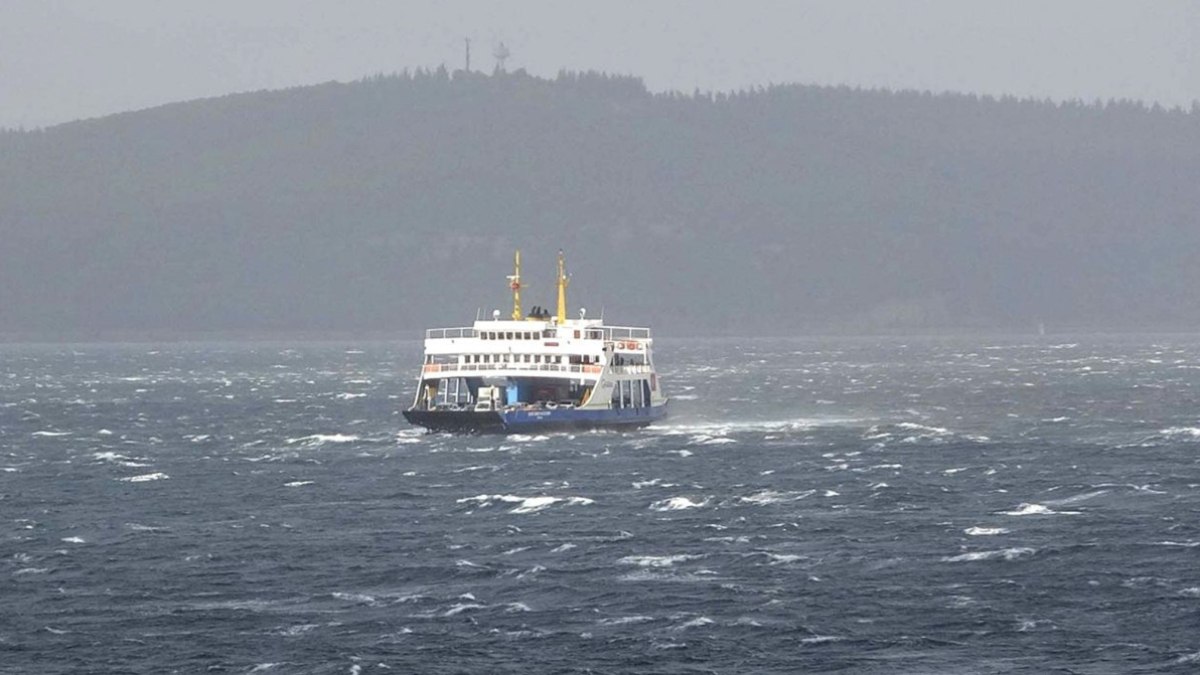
(501, 53)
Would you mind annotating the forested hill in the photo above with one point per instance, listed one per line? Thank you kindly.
(394, 203)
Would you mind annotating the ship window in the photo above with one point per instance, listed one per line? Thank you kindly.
(576, 335)
(528, 336)
(547, 333)
(526, 358)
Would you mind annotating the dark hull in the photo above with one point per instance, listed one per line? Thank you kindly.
(531, 421)
(457, 421)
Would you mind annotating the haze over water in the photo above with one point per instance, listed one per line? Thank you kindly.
(988, 505)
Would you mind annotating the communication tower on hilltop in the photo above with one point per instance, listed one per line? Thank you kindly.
(501, 53)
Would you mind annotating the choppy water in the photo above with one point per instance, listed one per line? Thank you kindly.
(953, 506)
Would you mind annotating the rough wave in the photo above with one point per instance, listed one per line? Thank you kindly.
(526, 504)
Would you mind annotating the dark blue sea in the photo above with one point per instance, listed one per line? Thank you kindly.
(968, 505)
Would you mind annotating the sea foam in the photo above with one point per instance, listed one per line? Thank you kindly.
(677, 504)
(526, 504)
(1002, 554)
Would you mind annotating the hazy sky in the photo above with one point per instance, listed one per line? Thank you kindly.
(66, 59)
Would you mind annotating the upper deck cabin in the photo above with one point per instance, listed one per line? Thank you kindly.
(497, 335)
(539, 344)
(536, 347)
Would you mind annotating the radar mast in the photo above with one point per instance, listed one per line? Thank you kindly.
(562, 287)
(514, 282)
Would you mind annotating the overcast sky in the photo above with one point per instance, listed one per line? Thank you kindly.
(66, 59)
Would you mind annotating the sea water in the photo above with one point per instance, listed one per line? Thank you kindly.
(968, 505)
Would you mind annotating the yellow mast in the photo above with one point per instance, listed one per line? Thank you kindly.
(514, 282)
(562, 287)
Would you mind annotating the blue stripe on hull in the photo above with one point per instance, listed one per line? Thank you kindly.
(528, 421)
(574, 418)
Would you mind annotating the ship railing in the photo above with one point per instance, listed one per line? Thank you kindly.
(608, 333)
(481, 368)
(632, 370)
(625, 333)
(444, 333)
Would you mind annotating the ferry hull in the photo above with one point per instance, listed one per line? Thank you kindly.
(532, 421)
(456, 421)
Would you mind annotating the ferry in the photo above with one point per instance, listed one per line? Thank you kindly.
(537, 372)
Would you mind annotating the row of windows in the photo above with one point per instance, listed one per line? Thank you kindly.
(592, 334)
(515, 335)
(528, 358)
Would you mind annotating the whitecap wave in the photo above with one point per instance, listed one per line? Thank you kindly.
(772, 497)
(145, 478)
(1077, 498)
(360, 598)
(678, 504)
(527, 504)
(625, 620)
(656, 560)
(299, 483)
(463, 607)
(1038, 510)
(1188, 433)
(314, 440)
(705, 439)
(717, 429)
(117, 458)
(1001, 554)
(821, 639)
(985, 531)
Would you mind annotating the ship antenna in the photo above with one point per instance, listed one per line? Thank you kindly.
(562, 287)
(514, 282)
